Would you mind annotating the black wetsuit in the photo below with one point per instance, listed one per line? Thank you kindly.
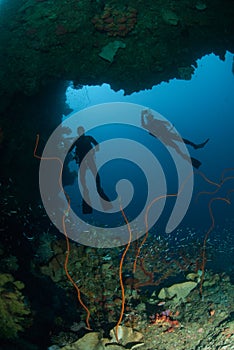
(83, 145)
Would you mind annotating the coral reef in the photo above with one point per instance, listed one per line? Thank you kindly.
(44, 251)
(115, 20)
(96, 272)
(53, 41)
(188, 324)
(13, 309)
(165, 320)
(9, 263)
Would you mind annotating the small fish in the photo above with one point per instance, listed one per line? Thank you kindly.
(30, 238)
(106, 258)
(161, 303)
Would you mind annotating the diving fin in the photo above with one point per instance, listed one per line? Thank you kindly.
(201, 145)
(195, 163)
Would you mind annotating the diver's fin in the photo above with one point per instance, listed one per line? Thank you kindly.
(195, 163)
(201, 145)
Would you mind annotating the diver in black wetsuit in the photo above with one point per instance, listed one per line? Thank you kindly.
(82, 146)
(161, 129)
(85, 147)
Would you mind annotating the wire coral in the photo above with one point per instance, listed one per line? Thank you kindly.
(13, 310)
(65, 233)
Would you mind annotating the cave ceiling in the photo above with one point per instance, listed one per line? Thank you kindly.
(131, 45)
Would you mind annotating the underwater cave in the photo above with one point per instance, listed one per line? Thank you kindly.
(62, 58)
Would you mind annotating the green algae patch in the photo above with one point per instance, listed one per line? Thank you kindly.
(13, 309)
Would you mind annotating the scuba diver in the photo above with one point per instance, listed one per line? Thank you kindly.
(162, 130)
(85, 147)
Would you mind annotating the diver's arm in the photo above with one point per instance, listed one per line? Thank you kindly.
(75, 155)
(72, 147)
(95, 143)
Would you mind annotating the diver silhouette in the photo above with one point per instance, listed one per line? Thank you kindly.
(162, 130)
(85, 147)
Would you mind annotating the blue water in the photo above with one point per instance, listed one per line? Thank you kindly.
(200, 108)
(115, 170)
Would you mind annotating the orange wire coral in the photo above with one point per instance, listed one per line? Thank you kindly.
(120, 273)
(65, 232)
(225, 199)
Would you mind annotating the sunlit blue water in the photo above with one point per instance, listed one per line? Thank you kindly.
(200, 108)
(115, 170)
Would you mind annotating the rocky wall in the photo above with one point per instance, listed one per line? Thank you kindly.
(44, 40)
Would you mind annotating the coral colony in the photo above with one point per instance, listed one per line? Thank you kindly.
(115, 21)
(165, 320)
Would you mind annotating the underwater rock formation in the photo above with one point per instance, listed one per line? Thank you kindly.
(130, 339)
(29, 116)
(177, 291)
(43, 41)
(44, 44)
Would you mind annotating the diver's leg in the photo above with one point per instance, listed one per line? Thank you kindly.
(172, 144)
(106, 203)
(195, 145)
(169, 142)
(190, 143)
(83, 170)
(92, 166)
(175, 137)
(86, 203)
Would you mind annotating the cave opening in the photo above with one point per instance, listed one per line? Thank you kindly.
(42, 53)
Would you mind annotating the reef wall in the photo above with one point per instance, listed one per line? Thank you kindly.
(21, 121)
